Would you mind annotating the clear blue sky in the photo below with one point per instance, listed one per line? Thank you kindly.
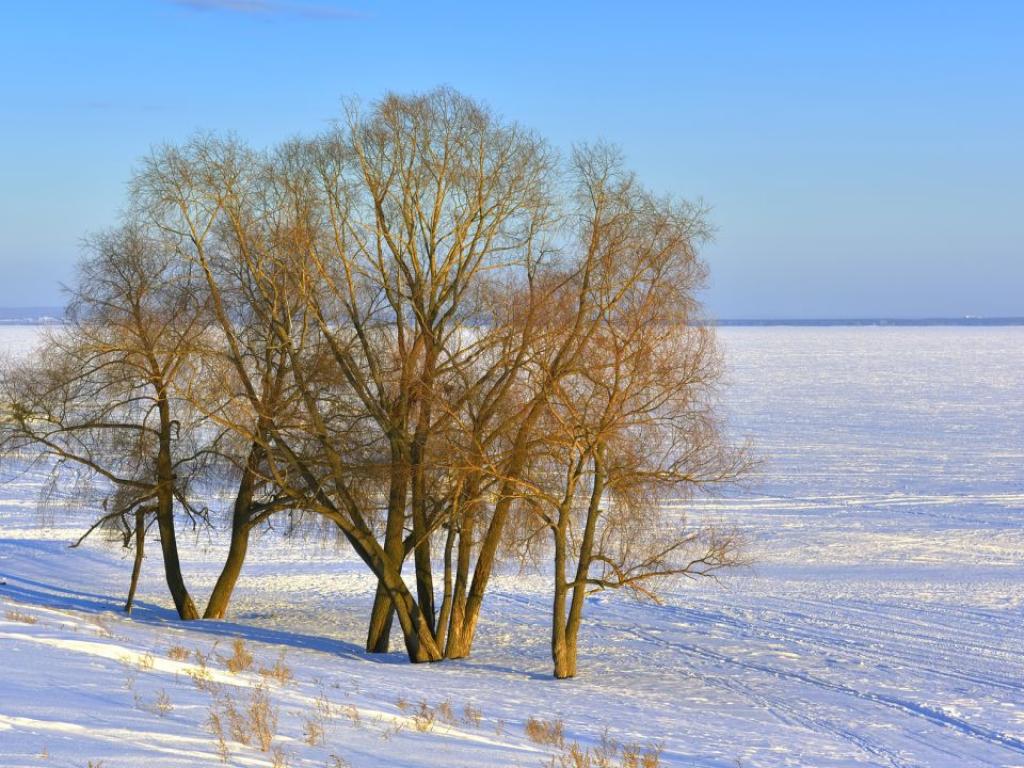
(862, 158)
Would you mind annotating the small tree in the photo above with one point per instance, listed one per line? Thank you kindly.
(101, 393)
(631, 423)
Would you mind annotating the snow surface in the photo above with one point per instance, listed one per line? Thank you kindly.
(881, 623)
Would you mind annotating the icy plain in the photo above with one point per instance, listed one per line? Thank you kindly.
(881, 622)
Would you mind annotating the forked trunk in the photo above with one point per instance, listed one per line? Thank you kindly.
(420, 644)
(559, 640)
(564, 635)
(566, 628)
(465, 613)
(441, 631)
(565, 660)
(420, 531)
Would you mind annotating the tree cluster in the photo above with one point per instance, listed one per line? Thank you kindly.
(423, 328)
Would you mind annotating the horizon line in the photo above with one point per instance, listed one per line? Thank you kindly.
(42, 314)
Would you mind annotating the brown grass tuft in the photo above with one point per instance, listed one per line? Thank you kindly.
(240, 659)
(253, 723)
(471, 716)
(547, 732)
(280, 672)
(178, 653)
(608, 754)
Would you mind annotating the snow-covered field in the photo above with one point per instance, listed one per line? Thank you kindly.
(881, 624)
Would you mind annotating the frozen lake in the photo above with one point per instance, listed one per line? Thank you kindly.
(880, 624)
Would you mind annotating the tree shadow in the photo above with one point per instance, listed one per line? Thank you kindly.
(63, 598)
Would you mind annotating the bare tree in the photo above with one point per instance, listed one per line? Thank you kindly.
(101, 393)
(425, 195)
(363, 250)
(635, 423)
(214, 203)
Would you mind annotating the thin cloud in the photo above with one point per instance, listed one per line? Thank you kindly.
(269, 8)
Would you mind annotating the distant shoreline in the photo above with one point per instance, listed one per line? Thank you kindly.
(878, 321)
(55, 315)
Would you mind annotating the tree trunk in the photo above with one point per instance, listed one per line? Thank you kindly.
(421, 550)
(567, 668)
(417, 459)
(565, 656)
(241, 526)
(217, 606)
(140, 543)
(470, 611)
(419, 640)
(460, 639)
(378, 635)
(441, 630)
(172, 565)
(564, 666)
(165, 517)
(455, 647)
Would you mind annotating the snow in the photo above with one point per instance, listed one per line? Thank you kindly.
(881, 622)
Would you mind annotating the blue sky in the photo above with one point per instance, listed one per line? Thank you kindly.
(861, 159)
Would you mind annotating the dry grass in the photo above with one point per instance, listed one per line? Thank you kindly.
(160, 706)
(216, 725)
(608, 754)
(314, 726)
(201, 676)
(102, 625)
(262, 717)
(240, 659)
(278, 758)
(178, 653)
(313, 732)
(352, 714)
(322, 705)
(280, 672)
(145, 661)
(23, 618)
(445, 713)
(471, 716)
(546, 732)
(252, 723)
(424, 717)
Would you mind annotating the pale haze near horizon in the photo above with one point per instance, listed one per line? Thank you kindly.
(859, 161)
